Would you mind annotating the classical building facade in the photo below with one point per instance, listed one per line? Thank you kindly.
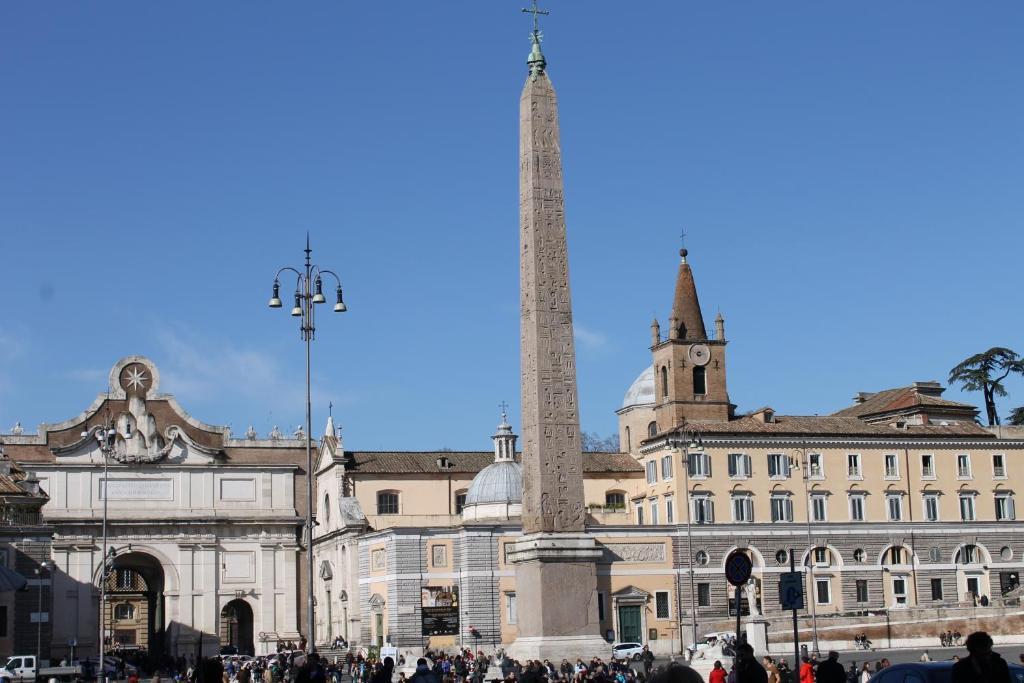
(203, 529)
(899, 500)
(25, 541)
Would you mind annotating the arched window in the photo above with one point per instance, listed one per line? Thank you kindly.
(821, 556)
(125, 579)
(897, 554)
(124, 611)
(652, 430)
(629, 441)
(387, 503)
(700, 381)
(664, 382)
(968, 554)
(327, 508)
(615, 500)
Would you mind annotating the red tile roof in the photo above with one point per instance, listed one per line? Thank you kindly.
(901, 398)
(832, 425)
(419, 462)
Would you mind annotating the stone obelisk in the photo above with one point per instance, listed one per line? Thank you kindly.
(555, 561)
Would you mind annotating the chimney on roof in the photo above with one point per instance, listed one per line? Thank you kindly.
(932, 388)
(5, 466)
(862, 396)
(30, 485)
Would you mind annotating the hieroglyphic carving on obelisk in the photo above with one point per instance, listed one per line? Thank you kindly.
(552, 460)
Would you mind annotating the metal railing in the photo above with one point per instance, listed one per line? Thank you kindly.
(17, 515)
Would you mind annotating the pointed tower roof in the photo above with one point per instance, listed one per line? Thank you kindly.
(686, 306)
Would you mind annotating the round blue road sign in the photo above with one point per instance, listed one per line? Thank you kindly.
(738, 567)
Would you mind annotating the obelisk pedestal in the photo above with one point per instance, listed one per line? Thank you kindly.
(555, 560)
(556, 586)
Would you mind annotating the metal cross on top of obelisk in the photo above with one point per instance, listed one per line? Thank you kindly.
(536, 11)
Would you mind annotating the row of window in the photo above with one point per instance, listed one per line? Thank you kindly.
(895, 555)
(387, 503)
(652, 469)
(702, 507)
(900, 591)
(655, 506)
(780, 466)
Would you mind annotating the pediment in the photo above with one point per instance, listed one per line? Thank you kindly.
(174, 447)
(331, 452)
(133, 423)
(631, 593)
(325, 571)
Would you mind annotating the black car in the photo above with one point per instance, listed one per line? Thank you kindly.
(930, 672)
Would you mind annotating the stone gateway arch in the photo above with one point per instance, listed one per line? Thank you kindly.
(203, 527)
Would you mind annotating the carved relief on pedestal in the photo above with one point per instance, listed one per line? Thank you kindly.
(634, 552)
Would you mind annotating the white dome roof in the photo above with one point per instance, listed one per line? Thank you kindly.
(641, 391)
(499, 482)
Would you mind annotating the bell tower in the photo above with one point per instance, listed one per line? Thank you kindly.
(689, 368)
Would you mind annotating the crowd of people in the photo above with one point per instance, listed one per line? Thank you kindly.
(982, 665)
(465, 666)
(469, 668)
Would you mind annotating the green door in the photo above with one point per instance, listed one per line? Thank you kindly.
(629, 624)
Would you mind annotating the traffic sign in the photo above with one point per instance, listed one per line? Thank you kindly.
(738, 567)
(791, 590)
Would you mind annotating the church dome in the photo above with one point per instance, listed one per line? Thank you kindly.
(641, 391)
(499, 482)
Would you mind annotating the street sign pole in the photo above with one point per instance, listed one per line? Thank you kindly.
(796, 630)
(739, 638)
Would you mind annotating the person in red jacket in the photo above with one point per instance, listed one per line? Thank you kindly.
(806, 670)
(718, 674)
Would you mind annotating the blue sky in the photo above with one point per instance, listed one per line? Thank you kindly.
(849, 176)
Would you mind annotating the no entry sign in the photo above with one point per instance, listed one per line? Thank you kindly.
(738, 567)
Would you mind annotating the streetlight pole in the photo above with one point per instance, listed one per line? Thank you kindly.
(691, 441)
(308, 292)
(106, 435)
(805, 465)
(39, 615)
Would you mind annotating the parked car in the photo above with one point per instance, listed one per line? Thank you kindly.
(930, 672)
(627, 651)
(23, 668)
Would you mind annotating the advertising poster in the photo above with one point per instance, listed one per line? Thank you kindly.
(440, 606)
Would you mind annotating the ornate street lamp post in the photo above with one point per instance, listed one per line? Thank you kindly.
(43, 566)
(805, 466)
(308, 292)
(686, 441)
(106, 436)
